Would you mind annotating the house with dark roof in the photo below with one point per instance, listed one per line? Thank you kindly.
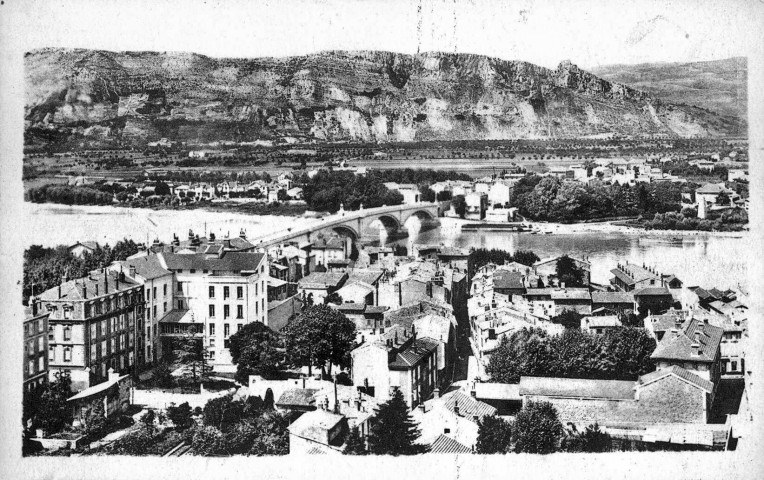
(508, 282)
(445, 444)
(654, 300)
(330, 248)
(297, 399)
(397, 359)
(695, 347)
(608, 303)
(79, 249)
(628, 277)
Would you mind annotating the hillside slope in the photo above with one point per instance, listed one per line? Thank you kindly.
(718, 85)
(86, 95)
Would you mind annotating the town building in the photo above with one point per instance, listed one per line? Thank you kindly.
(547, 267)
(397, 359)
(454, 415)
(318, 432)
(215, 295)
(35, 345)
(113, 394)
(319, 285)
(79, 249)
(95, 323)
(694, 346)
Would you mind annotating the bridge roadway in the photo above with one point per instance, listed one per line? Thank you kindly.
(355, 222)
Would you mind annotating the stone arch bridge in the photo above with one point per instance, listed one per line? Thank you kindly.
(361, 224)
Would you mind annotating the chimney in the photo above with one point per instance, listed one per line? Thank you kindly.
(85, 289)
(212, 237)
(242, 233)
(456, 407)
(413, 331)
(436, 393)
(190, 234)
(695, 349)
(59, 290)
(336, 402)
(113, 375)
(105, 282)
(357, 402)
(132, 271)
(303, 382)
(35, 303)
(697, 336)
(96, 288)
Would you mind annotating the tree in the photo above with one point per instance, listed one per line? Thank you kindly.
(321, 336)
(723, 199)
(537, 428)
(147, 419)
(354, 444)
(189, 350)
(591, 440)
(459, 204)
(162, 377)
(426, 193)
(47, 406)
(334, 298)
(255, 351)
(223, 412)
(568, 319)
(282, 195)
(494, 435)
(393, 431)
(180, 415)
(569, 273)
(526, 257)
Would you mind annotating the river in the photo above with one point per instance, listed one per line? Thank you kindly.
(697, 259)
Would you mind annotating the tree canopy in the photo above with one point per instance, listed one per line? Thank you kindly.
(255, 351)
(569, 273)
(393, 431)
(319, 336)
(494, 435)
(537, 428)
(622, 353)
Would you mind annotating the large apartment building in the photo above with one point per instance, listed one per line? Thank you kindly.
(211, 296)
(95, 323)
(35, 345)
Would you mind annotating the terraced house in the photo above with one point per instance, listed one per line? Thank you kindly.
(95, 324)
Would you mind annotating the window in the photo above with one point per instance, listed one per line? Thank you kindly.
(256, 289)
(212, 341)
(226, 311)
(87, 311)
(148, 294)
(212, 311)
(113, 324)
(226, 292)
(257, 309)
(31, 367)
(212, 291)
(51, 354)
(93, 353)
(39, 326)
(734, 366)
(67, 332)
(226, 330)
(180, 287)
(239, 292)
(104, 350)
(239, 311)
(67, 312)
(164, 290)
(212, 329)
(165, 307)
(193, 270)
(67, 354)
(113, 345)
(148, 331)
(211, 353)
(52, 332)
(155, 311)
(39, 344)
(238, 326)
(446, 430)
(103, 327)
(180, 304)
(155, 293)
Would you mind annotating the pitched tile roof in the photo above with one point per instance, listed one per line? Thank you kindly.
(571, 294)
(230, 261)
(84, 288)
(469, 407)
(710, 188)
(147, 266)
(413, 353)
(612, 297)
(577, 388)
(314, 425)
(680, 372)
(322, 280)
(444, 444)
(365, 276)
(652, 291)
(679, 346)
(508, 279)
(298, 397)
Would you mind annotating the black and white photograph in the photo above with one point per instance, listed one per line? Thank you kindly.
(443, 232)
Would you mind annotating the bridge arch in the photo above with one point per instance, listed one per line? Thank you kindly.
(347, 231)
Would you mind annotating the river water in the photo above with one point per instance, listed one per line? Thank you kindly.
(700, 259)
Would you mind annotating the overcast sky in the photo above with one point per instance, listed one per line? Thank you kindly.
(544, 32)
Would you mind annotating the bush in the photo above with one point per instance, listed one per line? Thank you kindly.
(537, 428)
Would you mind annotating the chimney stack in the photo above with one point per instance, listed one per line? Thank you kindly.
(85, 289)
(59, 290)
(132, 271)
(697, 336)
(34, 303)
(336, 402)
(105, 282)
(242, 233)
(436, 393)
(456, 407)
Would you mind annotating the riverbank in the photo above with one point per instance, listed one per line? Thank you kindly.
(547, 228)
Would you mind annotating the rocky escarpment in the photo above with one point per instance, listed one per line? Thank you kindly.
(336, 96)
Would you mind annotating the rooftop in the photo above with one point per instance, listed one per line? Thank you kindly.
(612, 297)
(413, 353)
(444, 444)
(230, 261)
(147, 266)
(298, 397)
(679, 372)
(577, 388)
(315, 425)
(508, 279)
(679, 345)
(322, 280)
(96, 284)
(468, 406)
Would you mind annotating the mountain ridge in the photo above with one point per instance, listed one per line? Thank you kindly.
(96, 95)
